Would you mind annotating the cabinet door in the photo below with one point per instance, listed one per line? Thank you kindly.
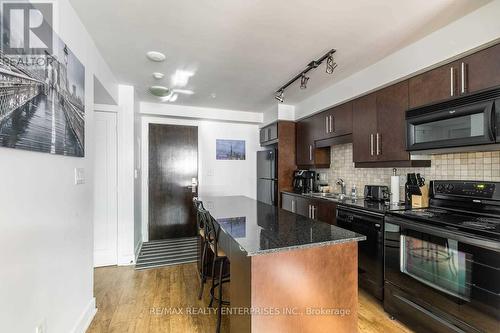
(392, 103)
(263, 135)
(305, 142)
(341, 120)
(480, 70)
(364, 128)
(321, 125)
(434, 86)
(272, 132)
(288, 202)
(325, 211)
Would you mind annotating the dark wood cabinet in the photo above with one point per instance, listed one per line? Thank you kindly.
(305, 142)
(364, 115)
(269, 134)
(434, 86)
(390, 139)
(480, 70)
(318, 209)
(334, 122)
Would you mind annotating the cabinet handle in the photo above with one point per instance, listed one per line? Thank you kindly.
(309, 211)
(310, 152)
(269, 134)
(314, 212)
(326, 125)
(293, 206)
(371, 144)
(452, 81)
(464, 73)
(378, 145)
(331, 124)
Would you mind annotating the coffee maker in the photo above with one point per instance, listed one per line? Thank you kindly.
(303, 181)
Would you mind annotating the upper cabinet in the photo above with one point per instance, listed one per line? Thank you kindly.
(334, 122)
(269, 134)
(480, 70)
(307, 153)
(473, 73)
(364, 117)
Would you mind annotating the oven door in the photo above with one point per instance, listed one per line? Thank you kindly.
(455, 127)
(451, 275)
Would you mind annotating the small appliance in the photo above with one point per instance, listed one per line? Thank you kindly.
(303, 181)
(377, 193)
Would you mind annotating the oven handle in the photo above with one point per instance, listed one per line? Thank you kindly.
(456, 235)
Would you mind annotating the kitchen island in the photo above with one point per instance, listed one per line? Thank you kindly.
(289, 273)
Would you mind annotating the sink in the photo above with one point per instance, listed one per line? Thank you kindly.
(326, 195)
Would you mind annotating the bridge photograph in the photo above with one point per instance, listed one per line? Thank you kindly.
(42, 104)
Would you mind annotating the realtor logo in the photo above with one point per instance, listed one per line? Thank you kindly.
(26, 28)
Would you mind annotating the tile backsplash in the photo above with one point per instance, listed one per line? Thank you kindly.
(457, 166)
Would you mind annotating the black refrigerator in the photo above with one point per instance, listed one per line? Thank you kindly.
(267, 179)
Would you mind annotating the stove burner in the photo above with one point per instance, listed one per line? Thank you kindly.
(483, 223)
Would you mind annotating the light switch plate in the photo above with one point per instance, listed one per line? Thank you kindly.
(79, 176)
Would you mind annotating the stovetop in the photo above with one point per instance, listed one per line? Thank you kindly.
(469, 222)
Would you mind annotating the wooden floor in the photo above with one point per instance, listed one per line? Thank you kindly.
(138, 301)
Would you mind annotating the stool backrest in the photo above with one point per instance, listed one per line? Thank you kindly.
(212, 230)
(198, 205)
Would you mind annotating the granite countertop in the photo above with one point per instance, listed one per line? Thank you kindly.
(360, 202)
(259, 228)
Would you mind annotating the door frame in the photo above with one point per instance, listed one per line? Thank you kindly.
(107, 108)
(145, 121)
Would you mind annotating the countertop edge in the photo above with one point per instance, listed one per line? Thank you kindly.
(307, 246)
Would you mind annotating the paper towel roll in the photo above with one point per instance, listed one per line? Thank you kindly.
(394, 189)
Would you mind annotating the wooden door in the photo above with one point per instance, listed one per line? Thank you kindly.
(321, 125)
(105, 190)
(326, 211)
(173, 163)
(480, 70)
(364, 128)
(434, 86)
(342, 119)
(305, 142)
(392, 103)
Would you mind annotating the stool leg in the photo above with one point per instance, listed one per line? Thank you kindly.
(219, 317)
(213, 281)
(203, 275)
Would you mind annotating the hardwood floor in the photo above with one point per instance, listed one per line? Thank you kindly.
(137, 301)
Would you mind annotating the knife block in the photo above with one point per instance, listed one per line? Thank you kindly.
(422, 200)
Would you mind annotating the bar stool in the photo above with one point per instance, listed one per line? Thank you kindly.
(201, 216)
(220, 257)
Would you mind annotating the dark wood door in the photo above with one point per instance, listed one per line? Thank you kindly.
(321, 122)
(364, 128)
(173, 163)
(434, 86)
(325, 211)
(392, 103)
(305, 142)
(342, 119)
(481, 70)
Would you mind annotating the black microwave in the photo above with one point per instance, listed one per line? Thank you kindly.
(451, 126)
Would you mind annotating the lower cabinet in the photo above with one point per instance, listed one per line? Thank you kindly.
(318, 209)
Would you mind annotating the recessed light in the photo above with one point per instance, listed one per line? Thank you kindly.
(183, 91)
(158, 75)
(181, 78)
(156, 56)
(159, 91)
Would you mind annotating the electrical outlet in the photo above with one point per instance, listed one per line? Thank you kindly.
(79, 176)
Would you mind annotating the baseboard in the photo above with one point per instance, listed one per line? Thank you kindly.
(85, 319)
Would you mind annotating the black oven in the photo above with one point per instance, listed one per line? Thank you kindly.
(452, 126)
(441, 279)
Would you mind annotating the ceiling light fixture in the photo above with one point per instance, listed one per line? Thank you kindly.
(155, 56)
(159, 91)
(303, 81)
(181, 78)
(280, 96)
(303, 78)
(330, 64)
(158, 75)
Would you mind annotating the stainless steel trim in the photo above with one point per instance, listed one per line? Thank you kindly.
(293, 206)
(310, 211)
(379, 152)
(463, 69)
(452, 83)
(371, 144)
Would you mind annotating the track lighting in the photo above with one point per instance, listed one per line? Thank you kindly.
(330, 64)
(330, 67)
(303, 81)
(280, 96)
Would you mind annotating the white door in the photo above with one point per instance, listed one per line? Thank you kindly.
(105, 191)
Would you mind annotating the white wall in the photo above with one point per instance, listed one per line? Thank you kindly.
(215, 177)
(467, 33)
(46, 220)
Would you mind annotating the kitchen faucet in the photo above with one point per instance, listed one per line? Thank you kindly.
(341, 182)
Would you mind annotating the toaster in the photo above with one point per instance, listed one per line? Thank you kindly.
(377, 193)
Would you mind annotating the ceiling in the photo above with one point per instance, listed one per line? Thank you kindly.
(243, 50)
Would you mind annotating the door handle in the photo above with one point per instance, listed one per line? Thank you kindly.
(463, 76)
(452, 81)
(378, 144)
(371, 144)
